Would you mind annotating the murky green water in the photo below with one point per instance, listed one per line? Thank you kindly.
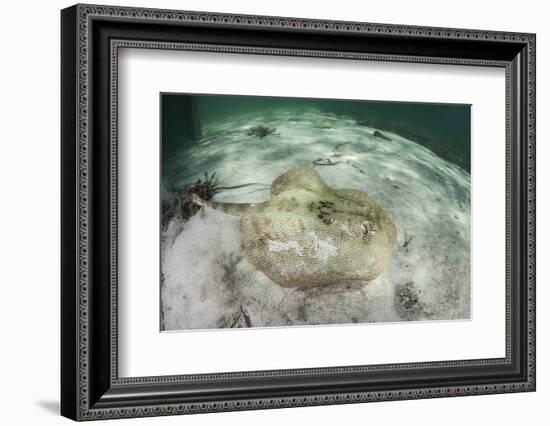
(442, 128)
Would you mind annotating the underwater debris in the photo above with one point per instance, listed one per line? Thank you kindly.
(356, 167)
(408, 240)
(205, 188)
(184, 207)
(340, 145)
(229, 321)
(325, 162)
(261, 131)
(408, 295)
(239, 319)
(378, 134)
(407, 301)
(246, 317)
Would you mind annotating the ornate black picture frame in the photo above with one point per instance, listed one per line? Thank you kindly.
(90, 38)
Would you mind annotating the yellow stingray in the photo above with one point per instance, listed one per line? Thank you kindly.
(308, 233)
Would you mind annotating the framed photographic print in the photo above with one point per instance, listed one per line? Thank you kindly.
(263, 212)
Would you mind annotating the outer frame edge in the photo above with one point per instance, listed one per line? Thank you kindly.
(84, 413)
(69, 255)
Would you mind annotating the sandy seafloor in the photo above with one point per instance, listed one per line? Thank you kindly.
(208, 281)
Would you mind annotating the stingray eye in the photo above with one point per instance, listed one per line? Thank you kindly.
(368, 228)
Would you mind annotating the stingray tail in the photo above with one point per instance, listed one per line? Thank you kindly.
(234, 209)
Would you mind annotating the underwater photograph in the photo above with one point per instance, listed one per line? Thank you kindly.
(284, 212)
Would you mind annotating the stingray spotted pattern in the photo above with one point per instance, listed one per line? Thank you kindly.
(308, 233)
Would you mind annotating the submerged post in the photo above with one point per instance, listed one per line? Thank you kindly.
(180, 123)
